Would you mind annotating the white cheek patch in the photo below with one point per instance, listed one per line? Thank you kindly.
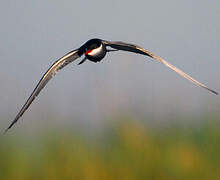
(95, 51)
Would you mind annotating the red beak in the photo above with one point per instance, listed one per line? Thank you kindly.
(87, 52)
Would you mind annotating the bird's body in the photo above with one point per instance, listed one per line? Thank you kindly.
(95, 50)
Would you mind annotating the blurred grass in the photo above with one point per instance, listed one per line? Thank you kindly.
(125, 149)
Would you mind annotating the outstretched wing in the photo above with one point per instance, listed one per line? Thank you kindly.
(59, 64)
(136, 49)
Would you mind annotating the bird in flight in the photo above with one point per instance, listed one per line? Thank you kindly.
(95, 50)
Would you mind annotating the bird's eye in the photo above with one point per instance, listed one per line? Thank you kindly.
(94, 46)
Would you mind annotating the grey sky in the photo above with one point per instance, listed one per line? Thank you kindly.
(34, 34)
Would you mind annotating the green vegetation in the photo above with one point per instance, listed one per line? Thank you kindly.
(125, 150)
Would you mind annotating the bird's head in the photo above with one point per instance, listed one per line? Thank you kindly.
(95, 50)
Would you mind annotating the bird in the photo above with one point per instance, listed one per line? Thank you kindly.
(95, 50)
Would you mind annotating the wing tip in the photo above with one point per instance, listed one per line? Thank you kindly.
(215, 92)
(6, 130)
(9, 127)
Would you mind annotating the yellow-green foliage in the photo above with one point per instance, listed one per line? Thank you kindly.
(128, 150)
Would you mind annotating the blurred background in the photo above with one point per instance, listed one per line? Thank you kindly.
(125, 117)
